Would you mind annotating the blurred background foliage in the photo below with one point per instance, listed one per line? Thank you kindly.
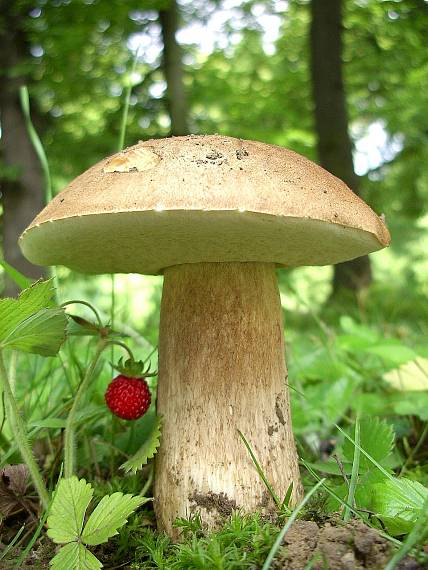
(239, 68)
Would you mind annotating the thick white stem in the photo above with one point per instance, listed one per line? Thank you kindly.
(222, 369)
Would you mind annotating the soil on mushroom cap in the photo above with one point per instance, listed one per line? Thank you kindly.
(353, 546)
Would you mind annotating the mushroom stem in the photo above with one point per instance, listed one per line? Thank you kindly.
(222, 369)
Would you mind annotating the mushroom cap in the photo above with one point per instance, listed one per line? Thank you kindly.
(198, 199)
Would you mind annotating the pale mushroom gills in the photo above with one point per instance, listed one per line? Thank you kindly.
(216, 216)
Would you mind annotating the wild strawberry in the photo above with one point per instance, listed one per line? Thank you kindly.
(128, 398)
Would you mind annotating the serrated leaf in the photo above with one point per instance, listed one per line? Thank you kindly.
(29, 323)
(146, 451)
(110, 514)
(41, 333)
(376, 438)
(68, 510)
(75, 556)
(30, 301)
(398, 503)
(364, 490)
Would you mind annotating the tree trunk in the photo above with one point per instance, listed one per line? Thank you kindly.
(173, 70)
(331, 119)
(222, 369)
(22, 196)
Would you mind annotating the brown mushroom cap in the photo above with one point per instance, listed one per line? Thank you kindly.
(202, 199)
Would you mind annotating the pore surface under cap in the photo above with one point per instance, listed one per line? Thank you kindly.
(202, 198)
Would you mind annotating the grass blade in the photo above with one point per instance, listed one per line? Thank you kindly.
(260, 471)
(369, 457)
(354, 475)
(285, 503)
(288, 524)
(36, 142)
(128, 91)
(12, 543)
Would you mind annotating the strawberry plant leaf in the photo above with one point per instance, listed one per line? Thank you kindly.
(68, 510)
(398, 503)
(110, 514)
(74, 556)
(41, 333)
(30, 322)
(66, 522)
(13, 311)
(146, 451)
(376, 438)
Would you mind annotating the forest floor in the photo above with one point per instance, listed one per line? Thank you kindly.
(326, 544)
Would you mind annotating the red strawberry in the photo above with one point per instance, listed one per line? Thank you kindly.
(128, 398)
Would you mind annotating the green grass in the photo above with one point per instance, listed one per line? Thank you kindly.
(338, 357)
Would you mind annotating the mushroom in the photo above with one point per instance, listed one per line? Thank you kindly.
(216, 216)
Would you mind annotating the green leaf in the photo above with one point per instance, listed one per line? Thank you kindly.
(29, 323)
(42, 333)
(353, 343)
(110, 514)
(146, 451)
(413, 404)
(68, 510)
(75, 556)
(393, 352)
(12, 311)
(357, 336)
(16, 276)
(398, 503)
(366, 483)
(335, 398)
(376, 438)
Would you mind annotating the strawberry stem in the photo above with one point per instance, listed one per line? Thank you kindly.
(93, 309)
(124, 346)
(70, 432)
(20, 435)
